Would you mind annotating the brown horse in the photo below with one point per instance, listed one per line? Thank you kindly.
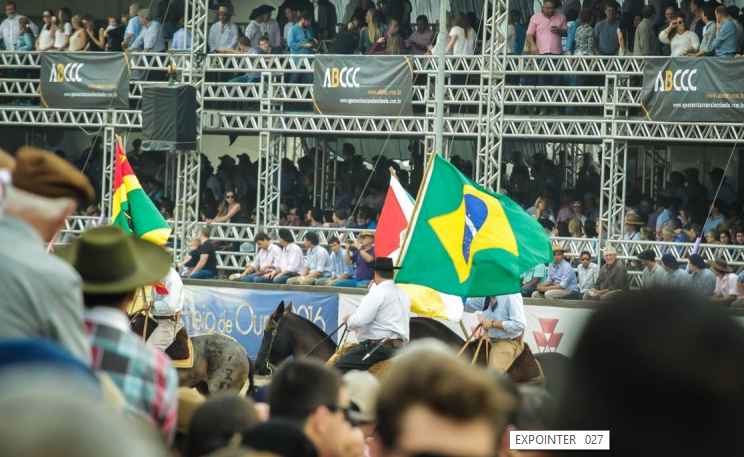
(220, 362)
(287, 334)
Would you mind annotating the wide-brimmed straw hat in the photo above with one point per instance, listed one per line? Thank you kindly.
(109, 261)
(720, 265)
(634, 219)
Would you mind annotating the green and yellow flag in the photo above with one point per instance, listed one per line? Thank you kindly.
(464, 240)
(131, 208)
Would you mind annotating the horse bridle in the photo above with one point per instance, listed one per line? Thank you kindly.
(270, 366)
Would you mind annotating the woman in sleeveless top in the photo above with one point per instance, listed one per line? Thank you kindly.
(45, 41)
(79, 39)
(63, 31)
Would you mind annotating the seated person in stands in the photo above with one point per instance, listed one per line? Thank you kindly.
(291, 261)
(265, 262)
(363, 256)
(229, 207)
(206, 267)
(339, 270)
(727, 289)
(244, 45)
(188, 264)
(613, 278)
(317, 263)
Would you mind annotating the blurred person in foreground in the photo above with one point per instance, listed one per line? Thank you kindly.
(675, 388)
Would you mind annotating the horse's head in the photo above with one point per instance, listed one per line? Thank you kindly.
(276, 344)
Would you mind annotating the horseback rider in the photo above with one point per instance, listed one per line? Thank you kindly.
(503, 318)
(382, 319)
(165, 306)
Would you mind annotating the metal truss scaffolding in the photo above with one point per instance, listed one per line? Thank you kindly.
(271, 148)
(491, 113)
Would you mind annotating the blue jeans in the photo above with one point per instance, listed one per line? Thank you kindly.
(277, 280)
(202, 274)
(248, 278)
(352, 283)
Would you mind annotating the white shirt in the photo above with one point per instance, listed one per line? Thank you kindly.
(287, 28)
(275, 35)
(291, 259)
(680, 43)
(588, 276)
(45, 38)
(10, 31)
(59, 37)
(464, 46)
(172, 302)
(385, 312)
(267, 257)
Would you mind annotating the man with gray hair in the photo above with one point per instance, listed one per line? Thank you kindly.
(613, 278)
(150, 38)
(133, 26)
(42, 295)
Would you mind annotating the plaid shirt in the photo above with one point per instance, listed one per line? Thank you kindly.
(144, 375)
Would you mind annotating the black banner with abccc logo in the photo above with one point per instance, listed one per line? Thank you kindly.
(684, 89)
(89, 80)
(362, 85)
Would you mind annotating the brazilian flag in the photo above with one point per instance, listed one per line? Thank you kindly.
(464, 240)
(131, 208)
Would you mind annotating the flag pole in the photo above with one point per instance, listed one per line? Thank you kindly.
(416, 205)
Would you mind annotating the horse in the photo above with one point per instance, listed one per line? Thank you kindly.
(220, 362)
(287, 334)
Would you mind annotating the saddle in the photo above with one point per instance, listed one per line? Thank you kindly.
(181, 350)
(379, 370)
(525, 369)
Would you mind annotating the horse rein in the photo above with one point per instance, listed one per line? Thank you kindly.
(270, 366)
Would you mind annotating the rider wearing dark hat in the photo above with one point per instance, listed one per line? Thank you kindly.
(112, 266)
(382, 319)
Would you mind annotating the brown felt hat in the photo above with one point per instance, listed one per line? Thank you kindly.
(634, 219)
(109, 261)
(720, 265)
(48, 175)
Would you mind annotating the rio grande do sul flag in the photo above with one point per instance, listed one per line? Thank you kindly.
(131, 208)
(467, 241)
(391, 228)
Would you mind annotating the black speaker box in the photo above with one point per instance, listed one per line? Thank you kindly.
(169, 117)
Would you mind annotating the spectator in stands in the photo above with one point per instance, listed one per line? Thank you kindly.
(390, 44)
(267, 260)
(10, 30)
(290, 264)
(327, 20)
(541, 210)
(96, 40)
(224, 33)
(339, 270)
(228, 208)
(301, 42)
(133, 26)
(78, 39)
(431, 403)
(150, 38)
(63, 31)
(739, 235)
(374, 30)
(291, 15)
(347, 41)
(145, 375)
(718, 179)
(612, 279)
(315, 217)
(675, 277)
(363, 257)
(561, 279)
(606, 42)
(725, 44)
(115, 36)
(653, 274)
(419, 41)
(708, 22)
(317, 264)
(365, 218)
(216, 421)
(588, 273)
(633, 224)
(727, 289)
(181, 38)
(273, 32)
(681, 41)
(307, 395)
(462, 37)
(715, 219)
(206, 267)
(703, 280)
(45, 42)
(696, 191)
(724, 237)
(544, 37)
(26, 38)
(646, 40)
(257, 28)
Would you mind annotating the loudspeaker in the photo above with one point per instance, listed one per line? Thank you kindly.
(169, 117)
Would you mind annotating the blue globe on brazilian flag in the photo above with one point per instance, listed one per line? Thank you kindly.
(464, 240)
